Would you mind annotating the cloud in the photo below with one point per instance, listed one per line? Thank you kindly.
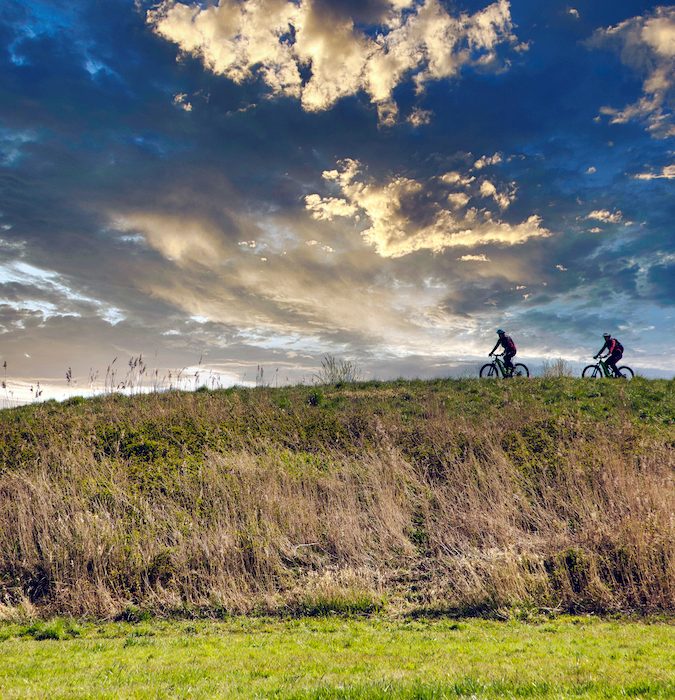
(180, 239)
(574, 12)
(458, 199)
(455, 178)
(481, 257)
(503, 199)
(181, 100)
(298, 51)
(607, 217)
(591, 170)
(666, 173)
(646, 44)
(327, 208)
(44, 294)
(484, 161)
(420, 117)
(402, 215)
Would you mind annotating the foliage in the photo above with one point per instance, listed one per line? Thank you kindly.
(337, 371)
(444, 497)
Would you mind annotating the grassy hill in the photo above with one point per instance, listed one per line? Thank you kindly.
(448, 496)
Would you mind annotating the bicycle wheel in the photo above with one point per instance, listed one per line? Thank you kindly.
(488, 371)
(592, 372)
(626, 371)
(520, 370)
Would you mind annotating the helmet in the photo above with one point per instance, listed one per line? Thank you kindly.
(500, 331)
(606, 335)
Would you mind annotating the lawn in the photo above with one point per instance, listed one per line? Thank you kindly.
(334, 657)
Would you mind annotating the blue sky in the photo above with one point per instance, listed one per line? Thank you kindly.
(266, 181)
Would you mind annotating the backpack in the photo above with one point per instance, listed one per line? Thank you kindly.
(617, 346)
(509, 344)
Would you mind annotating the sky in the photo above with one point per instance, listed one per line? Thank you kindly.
(263, 182)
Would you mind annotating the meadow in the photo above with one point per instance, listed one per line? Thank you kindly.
(447, 497)
(336, 657)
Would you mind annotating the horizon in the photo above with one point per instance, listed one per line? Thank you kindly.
(388, 181)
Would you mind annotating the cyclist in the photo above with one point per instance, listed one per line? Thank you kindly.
(614, 353)
(506, 341)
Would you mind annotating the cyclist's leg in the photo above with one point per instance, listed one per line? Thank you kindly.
(507, 360)
(611, 363)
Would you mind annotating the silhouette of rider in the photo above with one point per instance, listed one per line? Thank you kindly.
(506, 341)
(614, 353)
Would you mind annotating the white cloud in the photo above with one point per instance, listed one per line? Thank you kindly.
(503, 199)
(595, 229)
(67, 301)
(647, 45)
(181, 100)
(562, 268)
(484, 161)
(182, 240)
(278, 40)
(607, 217)
(455, 178)
(481, 257)
(401, 215)
(574, 12)
(591, 170)
(327, 208)
(420, 117)
(458, 199)
(666, 173)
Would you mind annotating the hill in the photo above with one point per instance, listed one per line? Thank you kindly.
(448, 496)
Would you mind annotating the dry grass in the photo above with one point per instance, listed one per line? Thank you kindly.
(257, 500)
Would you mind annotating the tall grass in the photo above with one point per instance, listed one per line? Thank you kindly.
(449, 496)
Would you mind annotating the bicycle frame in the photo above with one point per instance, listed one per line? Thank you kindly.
(501, 367)
(607, 372)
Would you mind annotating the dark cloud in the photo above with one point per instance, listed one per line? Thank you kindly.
(662, 280)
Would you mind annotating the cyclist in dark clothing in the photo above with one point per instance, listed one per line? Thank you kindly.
(506, 341)
(614, 353)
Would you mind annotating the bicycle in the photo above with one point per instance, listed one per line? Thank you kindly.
(496, 369)
(601, 370)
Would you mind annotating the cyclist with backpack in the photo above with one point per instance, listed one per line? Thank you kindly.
(506, 341)
(614, 353)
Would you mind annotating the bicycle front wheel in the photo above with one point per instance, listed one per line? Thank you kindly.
(488, 371)
(520, 370)
(626, 371)
(592, 372)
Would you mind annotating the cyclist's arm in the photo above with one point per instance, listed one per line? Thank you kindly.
(597, 354)
(495, 347)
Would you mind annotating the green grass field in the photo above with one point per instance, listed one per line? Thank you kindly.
(336, 657)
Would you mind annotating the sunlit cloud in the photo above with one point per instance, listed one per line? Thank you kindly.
(180, 239)
(404, 215)
(666, 173)
(484, 161)
(481, 257)
(646, 45)
(605, 216)
(420, 117)
(278, 41)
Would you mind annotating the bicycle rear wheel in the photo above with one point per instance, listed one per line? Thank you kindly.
(626, 371)
(592, 372)
(489, 371)
(520, 370)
